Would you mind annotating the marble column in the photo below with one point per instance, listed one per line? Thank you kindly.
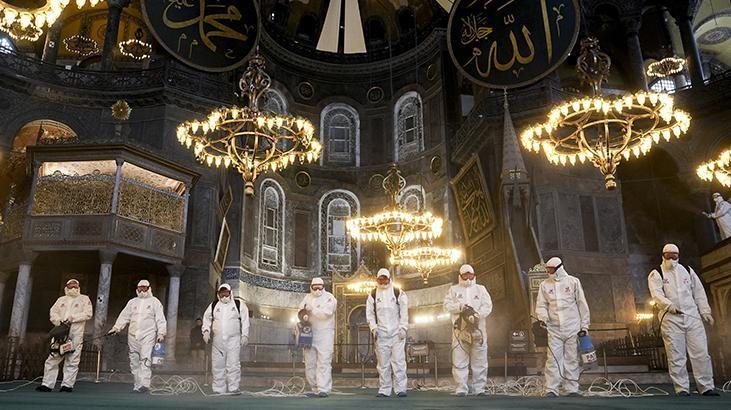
(692, 55)
(176, 271)
(26, 312)
(102, 295)
(53, 37)
(21, 302)
(110, 36)
(631, 25)
(3, 279)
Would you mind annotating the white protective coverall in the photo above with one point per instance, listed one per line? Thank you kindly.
(389, 319)
(77, 309)
(722, 215)
(464, 356)
(561, 304)
(318, 358)
(147, 323)
(681, 289)
(230, 329)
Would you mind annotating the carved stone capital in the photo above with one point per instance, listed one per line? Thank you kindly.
(176, 270)
(27, 257)
(107, 257)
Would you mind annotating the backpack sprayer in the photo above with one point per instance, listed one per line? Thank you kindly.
(158, 355)
(303, 330)
(587, 351)
(60, 342)
(467, 328)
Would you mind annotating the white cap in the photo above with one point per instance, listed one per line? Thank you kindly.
(72, 280)
(143, 282)
(466, 268)
(554, 262)
(317, 281)
(224, 286)
(384, 272)
(671, 247)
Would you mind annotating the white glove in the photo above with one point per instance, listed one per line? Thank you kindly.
(206, 337)
(401, 334)
(374, 332)
(672, 309)
(112, 332)
(244, 340)
(708, 318)
(160, 338)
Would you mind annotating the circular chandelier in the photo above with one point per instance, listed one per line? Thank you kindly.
(27, 23)
(81, 45)
(394, 226)
(426, 258)
(719, 169)
(250, 140)
(666, 67)
(135, 48)
(601, 130)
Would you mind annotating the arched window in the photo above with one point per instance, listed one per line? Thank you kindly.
(340, 135)
(337, 249)
(6, 44)
(409, 126)
(273, 101)
(412, 198)
(271, 226)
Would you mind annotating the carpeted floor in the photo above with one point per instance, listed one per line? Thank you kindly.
(118, 395)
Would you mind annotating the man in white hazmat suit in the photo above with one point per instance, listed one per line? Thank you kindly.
(463, 298)
(561, 307)
(387, 312)
(147, 324)
(679, 294)
(74, 309)
(228, 322)
(722, 215)
(319, 306)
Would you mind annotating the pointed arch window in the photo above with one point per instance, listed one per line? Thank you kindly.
(338, 250)
(340, 135)
(271, 226)
(274, 102)
(409, 126)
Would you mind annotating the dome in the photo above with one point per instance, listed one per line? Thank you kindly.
(353, 30)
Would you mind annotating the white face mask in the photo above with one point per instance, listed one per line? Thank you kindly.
(144, 294)
(717, 199)
(466, 282)
(672, 263)
(384, 286)
(72, 292)
(318, 293)
(224, 299)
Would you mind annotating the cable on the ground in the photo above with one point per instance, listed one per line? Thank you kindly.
(523, 386)
(601, 387)
(24, 383)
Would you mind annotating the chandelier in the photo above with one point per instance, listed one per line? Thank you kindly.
(601, 130)
(426, 258)
(250, 140)
(666, 67)
(719, 168)
(135, 48)
(81, 44)
(394, 226)
(27, 23)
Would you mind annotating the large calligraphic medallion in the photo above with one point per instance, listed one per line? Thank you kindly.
(210, 35)
(511, 43)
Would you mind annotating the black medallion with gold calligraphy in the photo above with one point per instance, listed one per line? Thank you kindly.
(511, 43)
(210, 35)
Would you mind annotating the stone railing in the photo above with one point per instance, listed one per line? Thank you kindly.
(169, 75)
(73, 195)
(148, 204)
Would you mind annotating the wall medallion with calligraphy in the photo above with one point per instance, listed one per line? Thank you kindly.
(511, 43)
(210, 35)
